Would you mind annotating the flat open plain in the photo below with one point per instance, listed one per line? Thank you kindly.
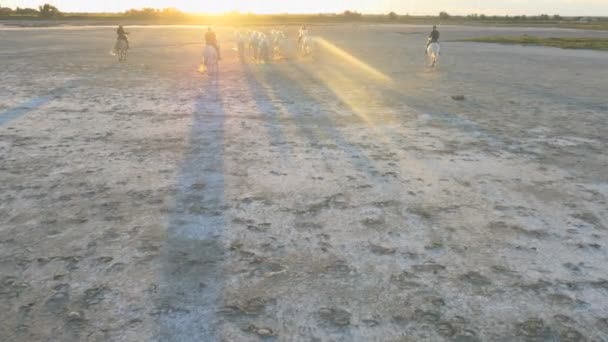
(345, 197)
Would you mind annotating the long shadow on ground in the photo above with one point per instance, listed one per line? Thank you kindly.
(190, 289)
(294, 92)
(30, 105)
(268, 110)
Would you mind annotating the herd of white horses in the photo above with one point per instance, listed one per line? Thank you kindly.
(264, 48)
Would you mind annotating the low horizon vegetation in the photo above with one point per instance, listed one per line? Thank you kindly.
(564, 43)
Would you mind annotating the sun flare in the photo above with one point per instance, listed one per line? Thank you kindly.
(247, 6)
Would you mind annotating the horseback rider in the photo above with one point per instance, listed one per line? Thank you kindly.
(122, 34)
(211, 39)
(433, 37)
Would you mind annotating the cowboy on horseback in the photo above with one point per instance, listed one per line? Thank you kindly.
(433, 37)
(211, 39)
(122, 35)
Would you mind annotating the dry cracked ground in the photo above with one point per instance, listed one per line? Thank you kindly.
(345, 197)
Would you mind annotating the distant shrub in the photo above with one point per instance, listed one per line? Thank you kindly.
(444, 16)
(393, 16)
(5, 11)
(352, 15)
(48, 11)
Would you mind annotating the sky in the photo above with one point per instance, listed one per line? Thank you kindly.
(414, 7)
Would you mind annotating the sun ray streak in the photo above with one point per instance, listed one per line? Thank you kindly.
(355, 62)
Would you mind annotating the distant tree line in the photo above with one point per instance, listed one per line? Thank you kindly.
(48, 11)
(545, 17)
(147, 13)
(45, 11)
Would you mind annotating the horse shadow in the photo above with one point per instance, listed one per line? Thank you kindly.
(269, 110)
(297, 98)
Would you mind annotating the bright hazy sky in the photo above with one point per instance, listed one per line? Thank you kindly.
(499, 7)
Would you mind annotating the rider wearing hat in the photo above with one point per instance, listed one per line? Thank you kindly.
(211, 39)
(122, 35)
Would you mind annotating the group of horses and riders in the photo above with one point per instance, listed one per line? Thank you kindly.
(212, 54)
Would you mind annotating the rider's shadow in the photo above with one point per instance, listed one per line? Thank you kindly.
(191, 271)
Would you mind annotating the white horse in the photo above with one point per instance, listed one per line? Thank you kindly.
(280, 45)
(240, 44)
(120, 49)
(264, 51)
(433, 52)
(307, 44)
(253, 44)
(210, 60)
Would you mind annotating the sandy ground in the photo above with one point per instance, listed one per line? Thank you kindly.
(342, 198)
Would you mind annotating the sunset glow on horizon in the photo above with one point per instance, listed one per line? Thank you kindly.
(414, 7)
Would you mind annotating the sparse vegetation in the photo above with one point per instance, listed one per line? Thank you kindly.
(21, 12)
(147, 13)
(564, 43)
(5, 11)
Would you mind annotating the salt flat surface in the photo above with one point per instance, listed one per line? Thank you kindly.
(341, 198)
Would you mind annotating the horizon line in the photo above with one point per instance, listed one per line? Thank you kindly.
(236, 12)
